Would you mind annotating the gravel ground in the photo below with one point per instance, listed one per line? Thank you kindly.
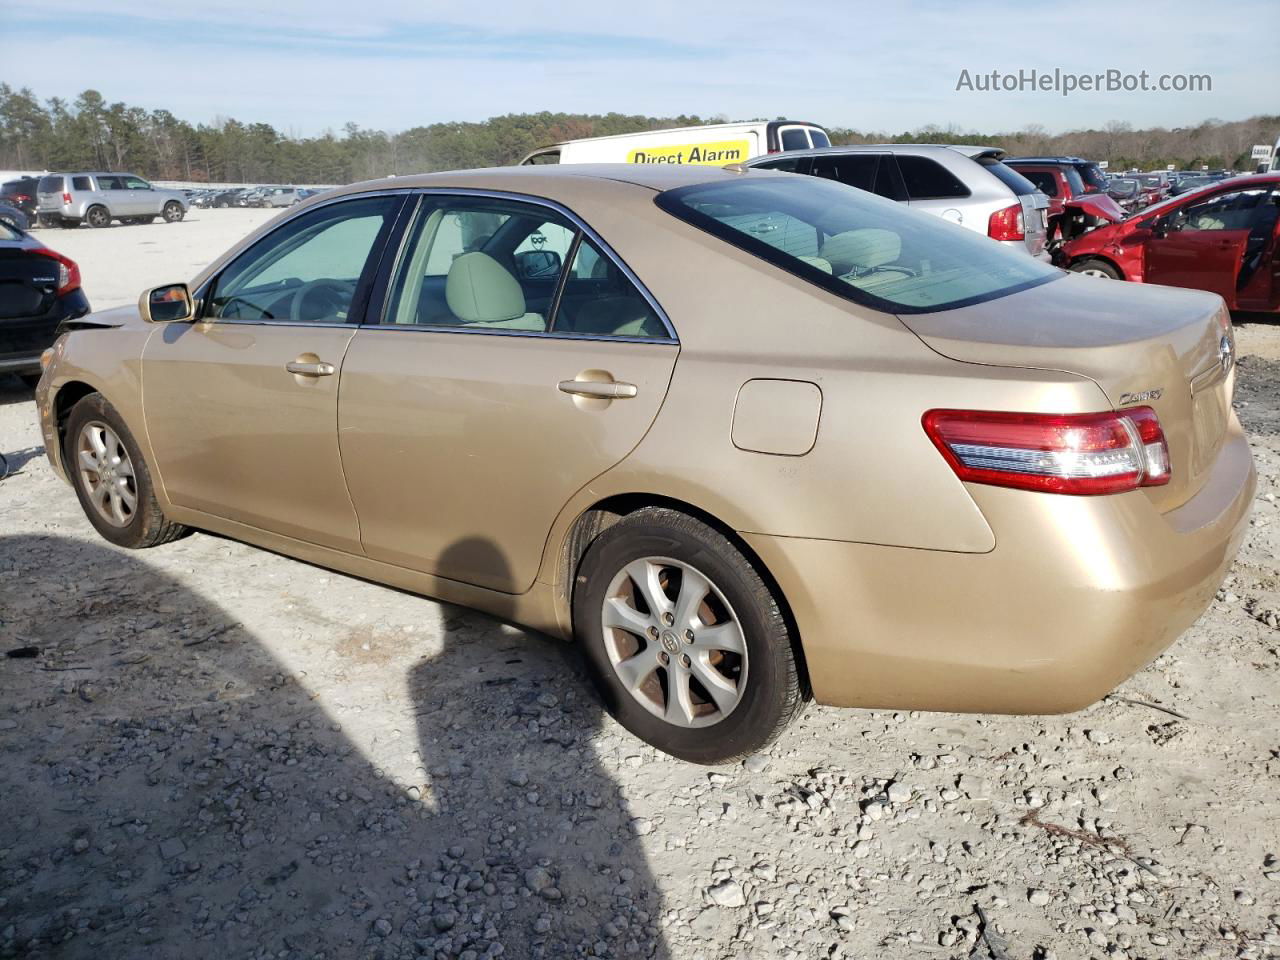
(220, 752)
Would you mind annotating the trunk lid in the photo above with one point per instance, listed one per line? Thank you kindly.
(28, 283)
(1144, 345)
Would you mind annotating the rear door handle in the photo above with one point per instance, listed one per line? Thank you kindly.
(305, 369)
(598, 389)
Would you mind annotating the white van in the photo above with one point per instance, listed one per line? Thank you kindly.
(713, 145)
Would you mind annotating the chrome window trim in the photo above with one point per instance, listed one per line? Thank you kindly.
(578, 222)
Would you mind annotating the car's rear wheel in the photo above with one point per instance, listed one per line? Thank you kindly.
(111, 478)
(685, 641)
(173, 211)
(1096, 268)
(98, 217)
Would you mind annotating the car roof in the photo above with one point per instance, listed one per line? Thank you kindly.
(1049, 160)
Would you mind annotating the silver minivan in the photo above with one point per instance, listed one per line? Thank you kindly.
(69, 199)
(966, 185)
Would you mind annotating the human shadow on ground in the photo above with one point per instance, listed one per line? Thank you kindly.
(171, 791)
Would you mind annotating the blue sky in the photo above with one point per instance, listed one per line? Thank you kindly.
(885, 66)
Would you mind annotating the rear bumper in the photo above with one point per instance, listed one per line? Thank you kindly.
(1078, 594)
(23, 339)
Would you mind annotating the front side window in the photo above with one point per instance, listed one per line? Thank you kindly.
(311, 269)
(493, 265)
(1233, 210)
(863, 248)
(927, 179)
(136, 183)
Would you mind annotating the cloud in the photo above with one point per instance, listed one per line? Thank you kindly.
(870, 66)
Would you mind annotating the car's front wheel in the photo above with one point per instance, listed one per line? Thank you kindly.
(1096, 268)
(173, 211)
(111, 478)
(686, 642)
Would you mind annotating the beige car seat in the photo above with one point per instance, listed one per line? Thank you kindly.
(481, 292)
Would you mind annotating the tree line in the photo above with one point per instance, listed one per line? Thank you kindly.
(90, 133)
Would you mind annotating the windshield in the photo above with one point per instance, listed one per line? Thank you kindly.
(859, 246)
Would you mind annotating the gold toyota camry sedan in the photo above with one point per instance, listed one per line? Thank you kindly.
(749, 438)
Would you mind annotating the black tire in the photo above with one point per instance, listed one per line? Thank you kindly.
(146, 219)
(774, 694)
(147, 526)
(173, 212)
(98, 216)
(1096, 267)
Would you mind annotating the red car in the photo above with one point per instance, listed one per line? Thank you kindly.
(1072, 211)
(1222, 238)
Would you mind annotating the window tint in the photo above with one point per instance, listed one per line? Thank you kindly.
(855, 245)
(785, 164)
(1233, 210)
(794, 138)
(819, 138)
(309, 269)
(1043, 180)
(81, 183)
(50, 185)
(1010, 177)
(600, 300)
(855, 169)
(928, 180)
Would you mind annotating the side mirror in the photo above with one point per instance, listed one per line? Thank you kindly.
(538, 264)
(171, 303)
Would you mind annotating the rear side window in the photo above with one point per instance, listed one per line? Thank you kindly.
(855, 169)
(1010, 177)
(1075, 180)
(1043, 180)
(929, 180)
(111, 183)
(51, 185)
(81, 183)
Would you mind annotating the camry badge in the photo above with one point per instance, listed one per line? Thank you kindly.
(1146, 396)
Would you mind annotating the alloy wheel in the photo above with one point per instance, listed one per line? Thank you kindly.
(674, 642)
(106, 473)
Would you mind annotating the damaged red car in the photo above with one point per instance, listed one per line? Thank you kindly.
(1072, 210)
(1221, 238)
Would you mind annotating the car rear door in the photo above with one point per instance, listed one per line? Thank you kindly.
(1202, 244)
(477, 405)
(241, 407)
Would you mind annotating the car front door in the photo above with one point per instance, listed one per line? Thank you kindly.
(139, 197)
(1202, 244)
(241, 406)
(484, 398)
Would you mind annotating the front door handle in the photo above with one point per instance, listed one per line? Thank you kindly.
(317, 368)
(598, 389)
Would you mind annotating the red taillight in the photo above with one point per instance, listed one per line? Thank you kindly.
(66, 198)
(1007, 224)
(1076, 453)
(68, 271)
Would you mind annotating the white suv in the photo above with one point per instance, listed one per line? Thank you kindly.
(69, 199)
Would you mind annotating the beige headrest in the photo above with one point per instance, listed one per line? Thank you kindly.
(863, 249)
(480, 289)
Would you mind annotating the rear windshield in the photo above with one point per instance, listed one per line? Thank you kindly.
(793, 138)
(1092, 174)
(1044, 181)
(819, 137)
(1010, 177)
(50, 184)
(859, 246)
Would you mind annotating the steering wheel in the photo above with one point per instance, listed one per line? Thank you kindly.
(334, 296)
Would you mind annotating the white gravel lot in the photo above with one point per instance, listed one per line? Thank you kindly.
(220, 752)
